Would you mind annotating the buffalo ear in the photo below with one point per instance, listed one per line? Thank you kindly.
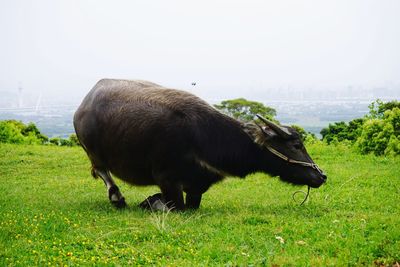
(268, 132)
(283, 132)
(258, 134)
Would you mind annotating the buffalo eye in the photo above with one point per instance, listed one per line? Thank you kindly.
(297, 146)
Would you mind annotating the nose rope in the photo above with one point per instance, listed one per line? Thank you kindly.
(303, 163)
(301, 191)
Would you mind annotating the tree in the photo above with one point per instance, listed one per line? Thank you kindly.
(32, 130)
(245, 110)
(340, 131)
(378, 107)
(354, 129)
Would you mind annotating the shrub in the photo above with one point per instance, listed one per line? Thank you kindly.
(303, 134)
(378, 108)
(393, 117)
(311, 139)
(341, 131)
(393, 146)
(55, 141)
(12, 131)
(32, 130)
(378, 132)
(16, 132)
(65, 142)
(74, 140)
(374, 137)
(381, 135)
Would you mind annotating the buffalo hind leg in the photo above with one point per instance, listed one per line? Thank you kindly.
(114, 194)
(154, 202)
(158, 202)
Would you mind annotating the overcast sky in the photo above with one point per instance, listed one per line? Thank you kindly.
(227, 47)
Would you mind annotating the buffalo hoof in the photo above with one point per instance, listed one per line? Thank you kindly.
(119, 204)
(116, 197)
(154, 202)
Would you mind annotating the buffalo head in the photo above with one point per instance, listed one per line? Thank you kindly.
(284, 145)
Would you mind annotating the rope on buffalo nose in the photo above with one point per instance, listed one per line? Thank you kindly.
(301, 191)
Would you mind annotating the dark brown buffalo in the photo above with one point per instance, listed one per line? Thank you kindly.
(146, 134)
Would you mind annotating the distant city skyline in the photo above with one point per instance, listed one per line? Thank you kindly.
(21, 99)
(55, 118)
(229, 48)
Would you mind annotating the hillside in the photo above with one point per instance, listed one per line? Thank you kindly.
(53, 212)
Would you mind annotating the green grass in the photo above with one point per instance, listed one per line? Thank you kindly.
(52, 212)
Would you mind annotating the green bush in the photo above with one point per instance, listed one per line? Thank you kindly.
(381, 135)
(311, 139)
(10, 133)
(393, 117)
(303, 134)
(55, 141)
(71, 141)
(378, 108)
(393, 147)
(378, 132)
(32, 130)
(74, 140)
(374, 137)
(15, 132)
(341, 131)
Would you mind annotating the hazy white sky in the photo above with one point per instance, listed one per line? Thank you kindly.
(227, 47)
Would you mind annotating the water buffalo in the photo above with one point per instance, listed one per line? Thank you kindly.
(146, 134)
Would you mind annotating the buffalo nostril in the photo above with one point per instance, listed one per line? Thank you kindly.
(324, 177)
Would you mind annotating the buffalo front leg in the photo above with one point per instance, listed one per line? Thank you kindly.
(192, 201)
(172, 196)
(194, 192)
(114, 194)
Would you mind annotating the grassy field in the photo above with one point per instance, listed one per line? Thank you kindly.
(52, 212)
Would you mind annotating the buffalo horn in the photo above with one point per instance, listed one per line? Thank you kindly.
(278, 129)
